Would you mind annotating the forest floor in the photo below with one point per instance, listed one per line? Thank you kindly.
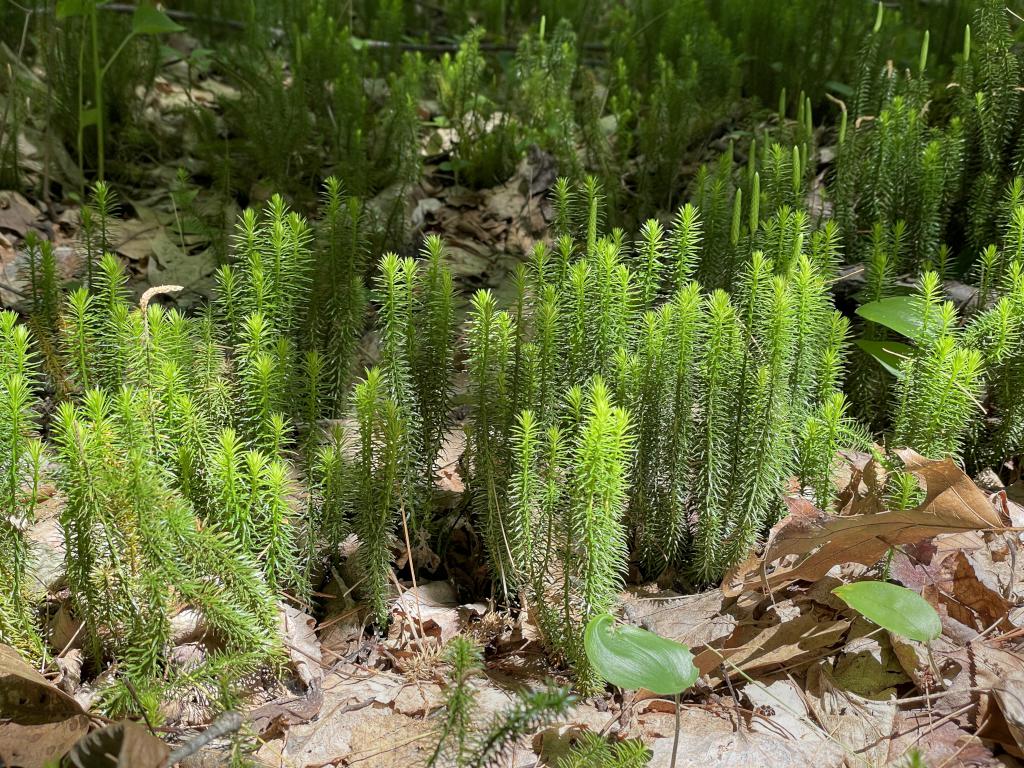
(790, 677)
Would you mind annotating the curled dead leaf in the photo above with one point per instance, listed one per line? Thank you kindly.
(807, 543)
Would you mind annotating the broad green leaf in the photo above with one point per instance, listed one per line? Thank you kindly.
(633, 658)
(149, 20)
(900, 313)
(69, 8)
(890, 354)
(897, 609)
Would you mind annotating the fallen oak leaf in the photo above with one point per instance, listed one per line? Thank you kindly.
(807, 543)
(695, 620)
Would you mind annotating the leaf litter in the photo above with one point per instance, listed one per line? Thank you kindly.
(789, 675)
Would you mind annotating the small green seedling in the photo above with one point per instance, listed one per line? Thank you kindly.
(147, 20)
(630, 657)
(897, 609)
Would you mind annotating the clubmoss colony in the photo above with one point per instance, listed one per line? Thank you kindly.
(620, 90)
(645, 397)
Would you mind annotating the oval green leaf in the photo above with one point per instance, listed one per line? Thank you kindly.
(890, 354)
(149, 20)
(899, 313)
(633, 658)
(897, 609)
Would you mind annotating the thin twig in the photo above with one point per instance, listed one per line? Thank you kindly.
(227, 723)
(412, 565)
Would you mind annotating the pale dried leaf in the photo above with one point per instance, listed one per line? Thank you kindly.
(429, 610)
(298, 631)
(694, 620)
(781, 710)
(418, 699)
(759, 647)
(1009, 693)
(17, 214)
(863, 726)
(743, 749)
(939, 743)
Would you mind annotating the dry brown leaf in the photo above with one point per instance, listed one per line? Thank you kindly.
(350, 696)
(391, 742)
(781, 710)
(120, 745)
(946, 575)
(758, 647)
(862, 725)
(972, 676)
(418, 699)
(808, 542)
(990, 667)
(48, 566)
(695, 620)
(741, 748)
(429, 611)
(938, 665)
(38, 721)
(1009, 695)
(940, 743)
(341, 629)
(447, 479)
(298, 631)
(17, 214)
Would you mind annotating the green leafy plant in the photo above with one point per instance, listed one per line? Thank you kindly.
(594, 751)
(22, 464)
(566, 516)
(131, 540)
(337, 313)
(497, 737)
(485, 138)
(466, 660)
(630, 657)
(380, 493)
(147, 20)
